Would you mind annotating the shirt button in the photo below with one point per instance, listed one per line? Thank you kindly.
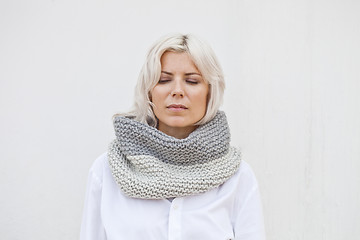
(175, 207)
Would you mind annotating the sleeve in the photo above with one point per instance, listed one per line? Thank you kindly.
(249, 222)
(92, 226)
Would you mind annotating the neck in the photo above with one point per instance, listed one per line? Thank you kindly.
(177, 132)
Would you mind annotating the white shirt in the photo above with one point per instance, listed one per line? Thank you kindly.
(230, 211)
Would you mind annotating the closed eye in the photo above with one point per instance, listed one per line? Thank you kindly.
(164, 81)
(192, 81)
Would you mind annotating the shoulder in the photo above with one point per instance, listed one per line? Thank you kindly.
(245, 172)
(97, 169)
(244, 180)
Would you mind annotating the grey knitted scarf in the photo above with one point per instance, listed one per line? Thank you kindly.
(146, 163)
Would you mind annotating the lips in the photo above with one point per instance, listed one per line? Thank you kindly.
(177, 106)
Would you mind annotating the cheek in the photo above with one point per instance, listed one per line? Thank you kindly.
(201, 99)
(157, 95)
(203, 95)
(154, 94)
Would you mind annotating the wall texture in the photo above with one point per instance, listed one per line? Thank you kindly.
(293, 80)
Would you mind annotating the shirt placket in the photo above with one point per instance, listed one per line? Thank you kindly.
(175, 219)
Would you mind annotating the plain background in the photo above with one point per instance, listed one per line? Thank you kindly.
(292, 70)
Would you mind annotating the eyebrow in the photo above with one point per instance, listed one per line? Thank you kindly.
(186, 74)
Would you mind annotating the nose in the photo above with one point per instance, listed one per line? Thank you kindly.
(177, 89)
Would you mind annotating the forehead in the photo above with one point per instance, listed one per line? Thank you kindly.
(177, 62)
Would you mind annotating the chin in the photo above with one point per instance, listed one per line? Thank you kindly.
(178, 123)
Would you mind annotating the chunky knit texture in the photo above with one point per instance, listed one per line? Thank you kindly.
(146, 163)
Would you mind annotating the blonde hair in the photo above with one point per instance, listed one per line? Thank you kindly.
(203, 57)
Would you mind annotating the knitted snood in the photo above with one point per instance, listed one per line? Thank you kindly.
(148, 164)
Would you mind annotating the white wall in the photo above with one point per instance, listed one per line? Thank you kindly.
(292, 70)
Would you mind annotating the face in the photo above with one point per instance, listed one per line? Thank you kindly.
(180, 96)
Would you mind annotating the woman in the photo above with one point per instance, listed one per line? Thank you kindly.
(171, 173)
